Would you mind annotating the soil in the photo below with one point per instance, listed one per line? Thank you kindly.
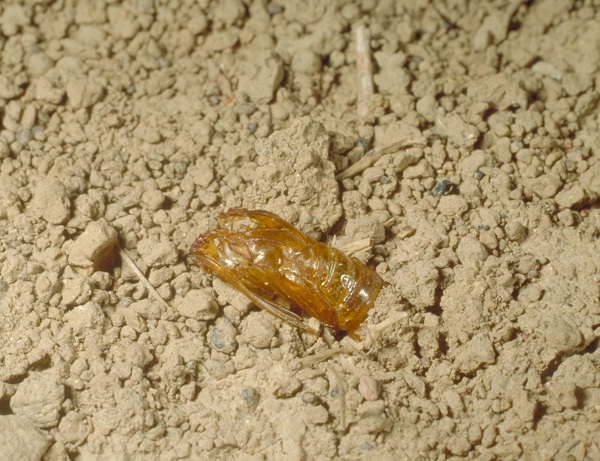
(127, 126)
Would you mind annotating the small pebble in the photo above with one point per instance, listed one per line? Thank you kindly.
(515, 231)
(251, 397)
(474, 434)
(566, 394)
(157, 254)
(443, 187)
(95, 246)
(245, 108)
(548, 70)
(39, 398)
(4, 149)
(311, 398)
(315, 415)
(51, 201)
(566, 218)
(453, 205)
(368, 388)
(148, 309)
(199, 305)
(259, 331)
(188, 391)
(219, 369)
(290, 388)
(457, 130)
(181, 167)
(153, 199)
(470, 251)
(137, 355)
(222, 337)
(363, 143)
(306, 62)
(23, 136)
(406, 232)
(489, 240)
(570, 198)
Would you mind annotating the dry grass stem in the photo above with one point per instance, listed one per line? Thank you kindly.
(125, 257)
(364, 75)
(372, 156)
(351, 248)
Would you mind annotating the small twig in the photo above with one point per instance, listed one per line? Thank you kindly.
(322, 356)
(374, 331)
(364, 74)
(372, 156)
(125, 257)
(340, 383)
(378, 328)
(351, 248)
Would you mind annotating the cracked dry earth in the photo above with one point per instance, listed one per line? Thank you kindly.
(126, 126)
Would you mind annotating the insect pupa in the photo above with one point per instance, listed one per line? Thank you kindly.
(282, 270)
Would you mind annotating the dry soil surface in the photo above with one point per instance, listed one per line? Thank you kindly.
(127, 126)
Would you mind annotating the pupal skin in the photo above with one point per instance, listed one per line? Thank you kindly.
(281, 269)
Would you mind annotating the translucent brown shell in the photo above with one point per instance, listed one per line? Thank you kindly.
(280, 269)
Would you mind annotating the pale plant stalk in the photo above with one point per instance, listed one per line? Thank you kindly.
(364, 75)
(125, 257)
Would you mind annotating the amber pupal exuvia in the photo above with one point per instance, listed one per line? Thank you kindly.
(282, 270)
